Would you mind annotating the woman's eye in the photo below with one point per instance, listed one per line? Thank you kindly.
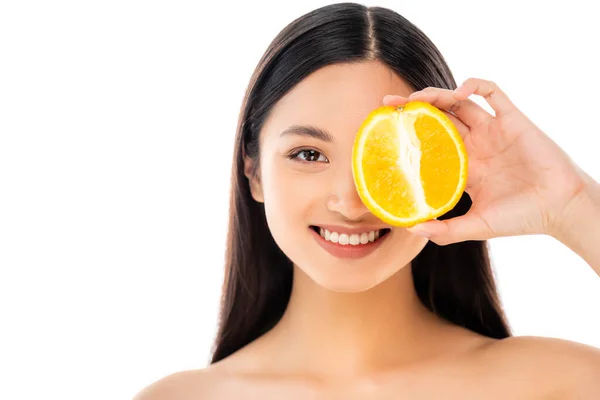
(310, 156)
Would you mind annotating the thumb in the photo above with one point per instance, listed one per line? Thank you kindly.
(453, 230)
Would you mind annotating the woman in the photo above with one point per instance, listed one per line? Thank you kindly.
(418, 316)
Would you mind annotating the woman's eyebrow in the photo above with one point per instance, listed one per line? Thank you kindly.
(307, 130)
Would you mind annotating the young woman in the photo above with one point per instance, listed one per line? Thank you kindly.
(412, 313)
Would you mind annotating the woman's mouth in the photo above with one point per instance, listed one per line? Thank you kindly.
(349, 245)
(353, 239)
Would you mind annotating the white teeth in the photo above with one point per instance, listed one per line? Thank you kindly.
(353, 239)
(334, 237)
(364, 238)
(343, 239)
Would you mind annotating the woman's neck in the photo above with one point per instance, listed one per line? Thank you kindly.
(345, 334)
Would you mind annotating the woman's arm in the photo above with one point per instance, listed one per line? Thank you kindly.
(579, 228)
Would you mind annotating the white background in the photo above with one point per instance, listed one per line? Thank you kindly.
(116, 123)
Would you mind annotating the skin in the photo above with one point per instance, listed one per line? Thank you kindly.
(354, 328)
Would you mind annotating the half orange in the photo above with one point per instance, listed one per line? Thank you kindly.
(409, 163)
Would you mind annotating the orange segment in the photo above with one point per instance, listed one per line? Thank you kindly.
(409, 163)
(440, 162)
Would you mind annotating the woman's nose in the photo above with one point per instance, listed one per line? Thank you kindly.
(344, 198)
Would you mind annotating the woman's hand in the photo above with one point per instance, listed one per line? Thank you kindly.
(520, 181)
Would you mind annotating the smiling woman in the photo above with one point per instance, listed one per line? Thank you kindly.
(301, 193)
(321, 297)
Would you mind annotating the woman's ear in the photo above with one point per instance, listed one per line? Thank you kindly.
(253, 176)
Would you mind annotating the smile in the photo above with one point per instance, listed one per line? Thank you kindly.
(349, 244)
(350, 239)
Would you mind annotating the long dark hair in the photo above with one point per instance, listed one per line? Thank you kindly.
(453, 281)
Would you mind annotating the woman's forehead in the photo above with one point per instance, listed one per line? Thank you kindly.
(337, 95)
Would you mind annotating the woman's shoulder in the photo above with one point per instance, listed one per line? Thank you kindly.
(190, 384)
(561, 365)
(218, 380)
(543, 349)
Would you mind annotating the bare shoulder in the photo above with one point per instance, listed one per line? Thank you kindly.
(227, 378)
(192, 384)
(569, 368)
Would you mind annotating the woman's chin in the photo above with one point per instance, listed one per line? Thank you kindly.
(356, 270)
(350, 282)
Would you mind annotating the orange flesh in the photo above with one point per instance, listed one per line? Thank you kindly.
(386, 182)
(386, 168)
(440, 163)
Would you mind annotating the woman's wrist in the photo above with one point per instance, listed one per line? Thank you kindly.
(579, 226)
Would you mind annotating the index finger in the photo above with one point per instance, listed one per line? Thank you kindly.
(495, 97)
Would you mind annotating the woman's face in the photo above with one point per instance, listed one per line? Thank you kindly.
(305, 180)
